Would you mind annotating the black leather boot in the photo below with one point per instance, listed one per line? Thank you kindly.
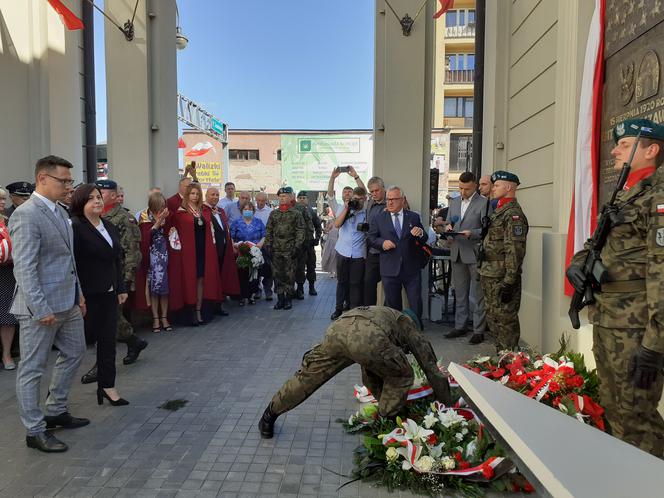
(299, 293)
(280, 302)
(134, 348)
(288, 304)
(312, 289)
(266, 423)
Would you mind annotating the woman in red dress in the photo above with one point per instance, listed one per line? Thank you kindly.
(193, 268)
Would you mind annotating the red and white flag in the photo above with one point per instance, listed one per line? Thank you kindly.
(583, 216)
(200, 149)
(445, 5)
(69, 19)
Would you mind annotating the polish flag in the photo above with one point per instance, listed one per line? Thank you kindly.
(68, 18)
(181, 144)
(445, 5)
(583, 215)
(200, 149)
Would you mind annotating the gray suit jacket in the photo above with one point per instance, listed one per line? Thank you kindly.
(461, 247)
(44, 266)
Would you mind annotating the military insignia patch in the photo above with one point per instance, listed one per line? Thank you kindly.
(518, 230)
(660, 208)
(659, 237)
(516, 217)
(620, 129)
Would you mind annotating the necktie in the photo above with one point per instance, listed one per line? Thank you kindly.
(397, 225)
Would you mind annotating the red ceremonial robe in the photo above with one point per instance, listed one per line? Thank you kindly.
(173, 203)
(230, 283)
(182, 263)
(141, 297)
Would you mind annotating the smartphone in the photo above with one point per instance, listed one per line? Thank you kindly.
(343, 169)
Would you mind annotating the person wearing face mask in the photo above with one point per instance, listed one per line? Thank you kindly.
(247, 229)
(284, 235)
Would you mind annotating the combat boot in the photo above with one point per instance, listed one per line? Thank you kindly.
(288, 304)
(280, 302)
(312, 289)
(134, 348)
(266, 423)
(299, 293)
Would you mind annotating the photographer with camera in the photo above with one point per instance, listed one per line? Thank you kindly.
(347, 191)
(351, 251)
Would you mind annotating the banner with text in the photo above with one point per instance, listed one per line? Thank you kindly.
(308, 160)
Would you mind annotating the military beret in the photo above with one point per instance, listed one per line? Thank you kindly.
(302, 193)
(285, 190)
(106, 185)
(631, 127)
(22, 189)
(504, 175)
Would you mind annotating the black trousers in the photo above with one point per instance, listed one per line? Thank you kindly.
(100, 326)
(247, 287)
(350, 281)
(371, 279)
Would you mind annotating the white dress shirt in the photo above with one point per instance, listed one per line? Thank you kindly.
(465, 203)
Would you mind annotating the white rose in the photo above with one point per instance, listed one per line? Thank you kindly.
(425, 463)
(448, 463)
(391, 454)
(458, 436)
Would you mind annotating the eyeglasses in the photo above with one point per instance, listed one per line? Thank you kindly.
(63, 182)
(393, 199)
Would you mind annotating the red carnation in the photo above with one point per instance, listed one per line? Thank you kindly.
(463, 465)
(498, 373)
(554, 387)
(432, 439)
(528, 488)
(487, 471)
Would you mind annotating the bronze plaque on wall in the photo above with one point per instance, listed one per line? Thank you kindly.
(633, 51)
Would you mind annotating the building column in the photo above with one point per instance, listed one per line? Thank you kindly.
(404, 68)
(141, 87)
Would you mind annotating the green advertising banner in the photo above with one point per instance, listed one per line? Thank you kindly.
(308, 160)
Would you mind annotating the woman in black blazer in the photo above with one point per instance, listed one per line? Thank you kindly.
(99, 264)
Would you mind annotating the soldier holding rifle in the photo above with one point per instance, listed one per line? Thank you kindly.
(620, 274)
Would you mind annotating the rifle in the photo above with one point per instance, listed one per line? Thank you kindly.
(486, 222)
(589, 277)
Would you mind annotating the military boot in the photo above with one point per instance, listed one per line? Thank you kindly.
(266, 423)
(134, 348)
(312, 289)
(299, 293)
(280, 302)
(288, 304)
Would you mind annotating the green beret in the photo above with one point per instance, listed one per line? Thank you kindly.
(106, 185)
(302, 193)
(285, 190)
(631, 127)
(506, 176)
(21, 189)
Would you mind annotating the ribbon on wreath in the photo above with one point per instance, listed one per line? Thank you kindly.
(586, 407)
(549, 369)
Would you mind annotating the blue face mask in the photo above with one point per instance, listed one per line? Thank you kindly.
(247, 213)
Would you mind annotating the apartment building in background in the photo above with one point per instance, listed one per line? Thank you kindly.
(452, 134)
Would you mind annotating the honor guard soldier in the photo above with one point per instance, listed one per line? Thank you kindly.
(284, 237)
(308, 255)
(501, 256)
(627, 311)
(376, 337)
(302, 252)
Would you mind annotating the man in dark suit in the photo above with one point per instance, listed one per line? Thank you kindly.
(395, 233)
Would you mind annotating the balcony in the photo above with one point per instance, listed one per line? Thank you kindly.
(457, 122)
(467, 31)
(459, 76)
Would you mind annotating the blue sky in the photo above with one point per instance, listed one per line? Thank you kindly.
(272, 63)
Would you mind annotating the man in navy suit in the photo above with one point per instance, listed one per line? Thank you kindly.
(394, 233)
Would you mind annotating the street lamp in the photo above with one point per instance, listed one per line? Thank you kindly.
(181, 40)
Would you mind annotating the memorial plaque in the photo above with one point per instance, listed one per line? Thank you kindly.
(633, 51)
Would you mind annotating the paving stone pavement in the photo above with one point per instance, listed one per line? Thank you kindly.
(228, 370)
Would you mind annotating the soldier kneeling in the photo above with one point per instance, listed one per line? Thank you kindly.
(376, 337)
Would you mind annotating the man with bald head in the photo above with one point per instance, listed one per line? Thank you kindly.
(232, 209)
(174, 202)
(484, 186)
(501, 254)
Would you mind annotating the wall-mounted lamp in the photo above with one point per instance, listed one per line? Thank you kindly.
(181, 41)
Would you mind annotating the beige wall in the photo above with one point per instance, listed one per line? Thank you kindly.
(533, 70)
(266, 172)
(41, 107)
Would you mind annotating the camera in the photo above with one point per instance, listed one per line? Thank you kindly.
(343, 169)
(363, 227)
(354, 204)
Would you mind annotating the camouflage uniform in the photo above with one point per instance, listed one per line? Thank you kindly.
(303, 254)
(130, 240)
(378, 338)
(284, 236)
(629, 312)
(504, 248)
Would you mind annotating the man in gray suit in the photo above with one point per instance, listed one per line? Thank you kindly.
(465, 218)
(48, 303)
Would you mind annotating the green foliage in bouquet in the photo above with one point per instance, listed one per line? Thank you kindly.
(244, 256)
